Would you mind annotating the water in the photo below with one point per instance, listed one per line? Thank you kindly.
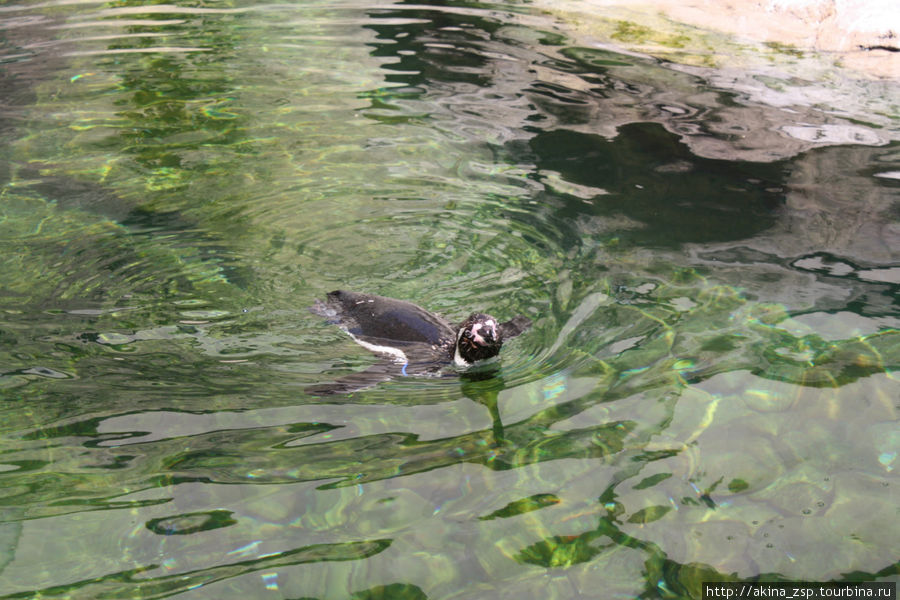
(711, 260)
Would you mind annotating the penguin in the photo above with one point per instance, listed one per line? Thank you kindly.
(416, 341)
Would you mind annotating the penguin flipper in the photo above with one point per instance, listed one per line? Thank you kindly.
(514, 327)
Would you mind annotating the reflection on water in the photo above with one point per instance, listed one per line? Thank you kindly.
(709, 391)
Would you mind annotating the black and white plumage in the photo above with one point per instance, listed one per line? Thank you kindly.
(416, 340)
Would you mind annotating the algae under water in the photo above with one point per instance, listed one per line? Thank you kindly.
(712, 264)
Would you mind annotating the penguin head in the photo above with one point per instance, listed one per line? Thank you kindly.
(479, 337)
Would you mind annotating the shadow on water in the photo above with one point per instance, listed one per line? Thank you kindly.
(661, 193)
(708, 393)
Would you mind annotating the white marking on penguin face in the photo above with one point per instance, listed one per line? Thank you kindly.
(458, 360)
(489, 327)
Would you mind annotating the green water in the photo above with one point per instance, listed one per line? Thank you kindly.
(709, 391)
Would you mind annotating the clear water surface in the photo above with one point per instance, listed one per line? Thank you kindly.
(711, 261)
